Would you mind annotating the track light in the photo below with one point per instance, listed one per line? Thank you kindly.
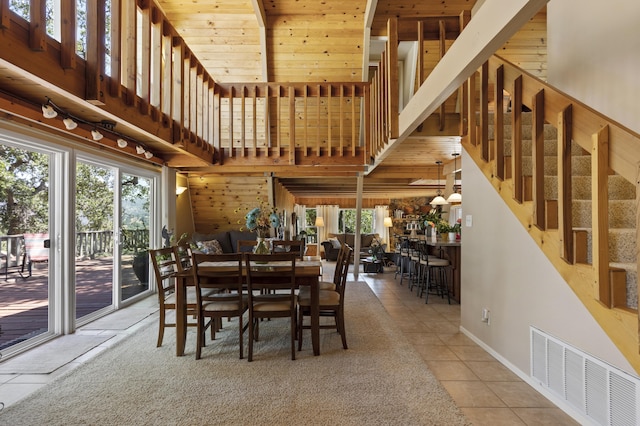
(96, 135)
(51, 110)
(69, 123)
(48, 111)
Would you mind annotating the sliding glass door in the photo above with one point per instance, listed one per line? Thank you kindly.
(135, 221)
(24, 240)
(94, 243)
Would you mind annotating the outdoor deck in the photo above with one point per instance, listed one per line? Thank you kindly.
(24, 303)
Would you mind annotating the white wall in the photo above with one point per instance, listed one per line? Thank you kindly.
(594, 55)
(504, 270)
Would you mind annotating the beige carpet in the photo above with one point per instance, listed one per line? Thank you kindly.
(60, 351)
(379, 380)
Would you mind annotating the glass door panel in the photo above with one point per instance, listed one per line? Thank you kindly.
(134, 224)
(24, 245)
(94, 237)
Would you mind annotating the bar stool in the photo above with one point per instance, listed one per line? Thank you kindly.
(414, 266)
(404, 259)
(435, 271)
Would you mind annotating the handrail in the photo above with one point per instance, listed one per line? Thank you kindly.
(612, 147)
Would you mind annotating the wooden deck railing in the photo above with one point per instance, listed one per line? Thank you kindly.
(613, 148)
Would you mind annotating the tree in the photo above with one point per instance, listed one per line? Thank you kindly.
(24, 191)
(94, 198)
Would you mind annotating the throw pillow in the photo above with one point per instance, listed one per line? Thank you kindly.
(210, 247)
(335, 243)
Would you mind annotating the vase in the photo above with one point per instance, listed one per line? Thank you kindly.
(434, 235)
(452, 237)
(261, 247)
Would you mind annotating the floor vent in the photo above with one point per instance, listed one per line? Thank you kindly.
(602, 393)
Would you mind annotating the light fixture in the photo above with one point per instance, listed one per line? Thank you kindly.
(48, 111)
(69, 123)
(96, 135)
(456, 197)
(140, 149)
(388, 223)
(439, 199)
(319, 224)
(180, 189)
(148, 155)
(122, 143)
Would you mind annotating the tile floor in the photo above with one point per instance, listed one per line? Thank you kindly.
(487, 392)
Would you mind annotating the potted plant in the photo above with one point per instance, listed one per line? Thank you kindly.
(135, 242)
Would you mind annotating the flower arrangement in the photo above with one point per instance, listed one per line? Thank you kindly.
(262, 219)
(444, 227)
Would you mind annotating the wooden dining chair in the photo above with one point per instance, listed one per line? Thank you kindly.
(165, 268)
(219, 292)
(288, 246)
(271, 283)
(331, 302)
(245, 246)
(183, 254)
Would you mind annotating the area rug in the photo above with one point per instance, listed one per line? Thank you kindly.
(59, 351)
(379, 380)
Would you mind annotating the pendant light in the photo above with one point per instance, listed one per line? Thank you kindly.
(456, 197)
(439, 199)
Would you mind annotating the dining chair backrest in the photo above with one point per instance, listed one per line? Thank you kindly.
(223, 271)
(270, 271)
(183, 255)
(343, 270)
(165, 267)
(337, 271)
(245, 246)
(288, 246)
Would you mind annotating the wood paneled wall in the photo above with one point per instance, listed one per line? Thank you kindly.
(527, 49)
(220, 203)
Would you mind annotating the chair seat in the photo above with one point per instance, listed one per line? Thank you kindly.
(326, 298)
(224, 305)
(278, 304)
(322, 285)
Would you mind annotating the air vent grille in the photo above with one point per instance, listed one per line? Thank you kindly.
(602, 393)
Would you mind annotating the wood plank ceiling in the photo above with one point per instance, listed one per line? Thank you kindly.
(312, 41)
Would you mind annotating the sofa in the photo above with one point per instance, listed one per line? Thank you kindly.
(332, 246)
(226, 240)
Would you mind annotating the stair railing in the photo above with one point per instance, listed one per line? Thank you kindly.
(613, 148)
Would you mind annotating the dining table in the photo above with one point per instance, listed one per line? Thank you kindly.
(308, 272)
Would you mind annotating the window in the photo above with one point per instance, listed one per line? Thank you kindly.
(310, 225)
(347, 221)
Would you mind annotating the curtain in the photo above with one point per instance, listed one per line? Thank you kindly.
(380, 212)
(329, 213)
(301, 214)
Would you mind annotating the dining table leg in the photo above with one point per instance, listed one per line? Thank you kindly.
(181, 315)
(315, 317)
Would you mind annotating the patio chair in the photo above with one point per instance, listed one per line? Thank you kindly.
(36, 248)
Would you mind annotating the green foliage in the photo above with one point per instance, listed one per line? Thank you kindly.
(347, 221)
(24, 191)
(94, 198)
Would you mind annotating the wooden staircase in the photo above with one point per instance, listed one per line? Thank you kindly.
(621, 209)
(569, 174)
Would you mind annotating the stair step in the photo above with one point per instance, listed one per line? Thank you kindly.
(621, 214)
(618, 188)
(622, 245)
